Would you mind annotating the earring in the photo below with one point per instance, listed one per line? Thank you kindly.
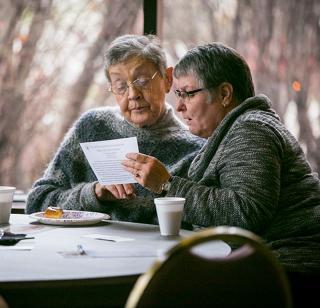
(224, 105)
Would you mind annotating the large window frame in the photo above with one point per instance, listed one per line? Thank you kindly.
(152, 10)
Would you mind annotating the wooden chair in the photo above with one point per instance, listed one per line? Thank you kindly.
(250, 276)
(3, 303)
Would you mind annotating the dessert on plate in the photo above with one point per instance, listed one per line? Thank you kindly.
(53, 212)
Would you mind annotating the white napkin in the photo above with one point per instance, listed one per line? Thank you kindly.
(110, 238)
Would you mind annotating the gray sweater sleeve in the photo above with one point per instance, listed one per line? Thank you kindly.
(241, 184)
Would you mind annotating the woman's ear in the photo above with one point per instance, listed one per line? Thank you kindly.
(168, 78)
(226, 93)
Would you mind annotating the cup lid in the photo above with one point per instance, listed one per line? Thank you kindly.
(169, 199)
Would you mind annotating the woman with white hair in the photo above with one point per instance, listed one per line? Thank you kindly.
(139, 79)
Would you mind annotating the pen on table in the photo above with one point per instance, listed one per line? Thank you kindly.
(81, 250)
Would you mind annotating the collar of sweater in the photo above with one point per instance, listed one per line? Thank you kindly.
(199, 164)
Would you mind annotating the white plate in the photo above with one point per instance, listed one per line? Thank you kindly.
(69, 217)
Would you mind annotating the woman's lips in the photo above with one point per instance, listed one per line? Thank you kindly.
(140, 108)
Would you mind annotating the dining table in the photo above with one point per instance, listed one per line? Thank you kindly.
(86, 265)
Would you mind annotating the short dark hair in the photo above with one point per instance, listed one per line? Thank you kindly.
(215, 63)
(130, 45)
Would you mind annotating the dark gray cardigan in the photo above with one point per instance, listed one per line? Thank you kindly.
(253, 174)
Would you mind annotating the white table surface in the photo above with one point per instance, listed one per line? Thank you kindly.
(44, 263)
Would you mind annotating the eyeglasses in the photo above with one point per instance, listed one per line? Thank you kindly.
(120, 87)
(187, 94)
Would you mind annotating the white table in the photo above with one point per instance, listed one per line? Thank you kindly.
(43, 276)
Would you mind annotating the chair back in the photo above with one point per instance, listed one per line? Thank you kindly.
(3, 303)
(250, 276)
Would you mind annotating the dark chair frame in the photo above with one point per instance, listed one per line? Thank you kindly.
(250, 276)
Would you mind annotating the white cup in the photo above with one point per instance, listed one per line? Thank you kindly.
(169, 211)
(6, 197)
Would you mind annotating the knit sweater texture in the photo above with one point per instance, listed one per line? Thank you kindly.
(69, 181)
(253, 174)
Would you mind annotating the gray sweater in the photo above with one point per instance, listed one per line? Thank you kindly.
(253, 174)
(69, 182)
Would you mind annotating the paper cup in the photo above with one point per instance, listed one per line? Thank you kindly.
(169, 212)
(6, 197)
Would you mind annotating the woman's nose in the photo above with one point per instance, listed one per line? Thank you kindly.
(133, 92)
(180, 106)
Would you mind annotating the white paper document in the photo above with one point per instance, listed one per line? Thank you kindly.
(105, 159)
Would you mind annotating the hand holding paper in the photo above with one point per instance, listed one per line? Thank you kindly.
(105, 159)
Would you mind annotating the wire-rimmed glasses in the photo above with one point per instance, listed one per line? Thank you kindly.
(187, 94)
(120, 87)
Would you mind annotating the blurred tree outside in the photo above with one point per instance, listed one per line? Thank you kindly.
(279, 39)
(51, 69)
(51, 64)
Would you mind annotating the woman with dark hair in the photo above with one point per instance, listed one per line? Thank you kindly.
(252, 173)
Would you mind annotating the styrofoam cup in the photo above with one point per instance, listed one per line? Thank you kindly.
(6, 197)
(169, 212)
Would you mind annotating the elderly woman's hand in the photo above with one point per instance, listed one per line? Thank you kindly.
(112, 192)
(147, 170)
